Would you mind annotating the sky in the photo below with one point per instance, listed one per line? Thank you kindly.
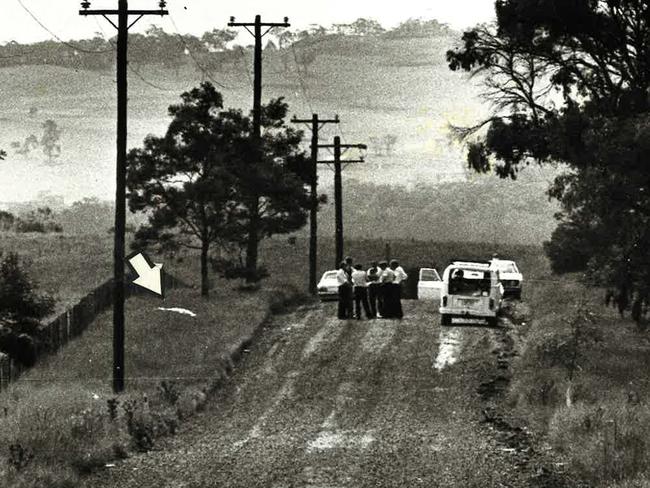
(196, 16)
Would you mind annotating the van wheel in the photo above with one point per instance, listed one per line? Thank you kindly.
(445, 319)
(493, 321)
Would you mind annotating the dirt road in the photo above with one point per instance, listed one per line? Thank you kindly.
(319, 402)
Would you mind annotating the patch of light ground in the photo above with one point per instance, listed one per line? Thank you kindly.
(182, 311)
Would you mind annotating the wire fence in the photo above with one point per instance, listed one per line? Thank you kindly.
(55, 334)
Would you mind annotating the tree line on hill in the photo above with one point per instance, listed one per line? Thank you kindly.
(212, 49)
(40, 220)
(570, 82)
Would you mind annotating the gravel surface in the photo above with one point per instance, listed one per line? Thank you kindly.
(319, 402)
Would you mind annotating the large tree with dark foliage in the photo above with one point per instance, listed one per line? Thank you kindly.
(197, 181)
(570, 83)
(21, 307)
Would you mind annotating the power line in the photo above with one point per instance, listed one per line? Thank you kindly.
(198, 65)
(71, 46)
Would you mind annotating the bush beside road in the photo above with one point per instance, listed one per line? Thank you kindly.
(580, 381)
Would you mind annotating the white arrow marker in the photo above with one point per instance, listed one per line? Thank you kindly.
(148, 277)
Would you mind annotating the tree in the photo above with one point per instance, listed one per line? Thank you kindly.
(182, 179)
(7, 220)
(389, 142)
(419, 28)
(20, 308)
(18, 296)
(217, 39)
(305, 57)
(50, 141)
(271, 181)
(198, 182)
(570, 83)
(366, 27)
(27, 145)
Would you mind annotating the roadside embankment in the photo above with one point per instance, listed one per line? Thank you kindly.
(575, 403)
(61, 419)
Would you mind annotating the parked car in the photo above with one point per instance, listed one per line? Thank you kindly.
(328, 287)
(510, 276)
(471, 289)
(429, 285)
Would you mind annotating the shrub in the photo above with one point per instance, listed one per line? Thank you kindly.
(286, 298)
(18, 297)
(20, 309)
(604, 443)
(41, 476)
(139, 424)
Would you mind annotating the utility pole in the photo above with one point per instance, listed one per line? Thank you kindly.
(338, 189)
(253, 228)
(122, 27)
(316, 125)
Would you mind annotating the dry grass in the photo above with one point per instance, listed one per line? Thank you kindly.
(603, 435)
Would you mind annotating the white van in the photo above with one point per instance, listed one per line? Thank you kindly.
(471, 289)
(510, 276)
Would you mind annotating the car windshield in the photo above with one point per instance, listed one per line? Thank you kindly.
(329, 275)
(469, 282)
(508, 268)
(429, 275)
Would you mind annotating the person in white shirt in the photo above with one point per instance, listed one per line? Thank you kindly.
(360, 284)
(345, 292)
(396, 289)
(373, 287)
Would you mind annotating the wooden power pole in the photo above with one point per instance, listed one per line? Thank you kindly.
(122, 27)
(338, 189)
(315, 125)
(257, 25)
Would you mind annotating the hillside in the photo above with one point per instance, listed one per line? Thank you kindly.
(399, 87)
(378, 86)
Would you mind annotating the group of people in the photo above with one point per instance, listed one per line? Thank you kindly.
(378, 290)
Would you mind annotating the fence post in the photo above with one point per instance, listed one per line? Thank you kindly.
(4, 371)
(68, 314)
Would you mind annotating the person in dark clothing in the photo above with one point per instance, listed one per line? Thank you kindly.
(372, 276)
(387, 309)
(345, 292)
(396, 288)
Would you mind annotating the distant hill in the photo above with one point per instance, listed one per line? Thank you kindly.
(395, 85)
(378, 86)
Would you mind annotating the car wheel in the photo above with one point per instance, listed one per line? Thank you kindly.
(492, 321)
(445, 319)
(518, 294)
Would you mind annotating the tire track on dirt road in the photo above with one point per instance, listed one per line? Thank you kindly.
(320, 402)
